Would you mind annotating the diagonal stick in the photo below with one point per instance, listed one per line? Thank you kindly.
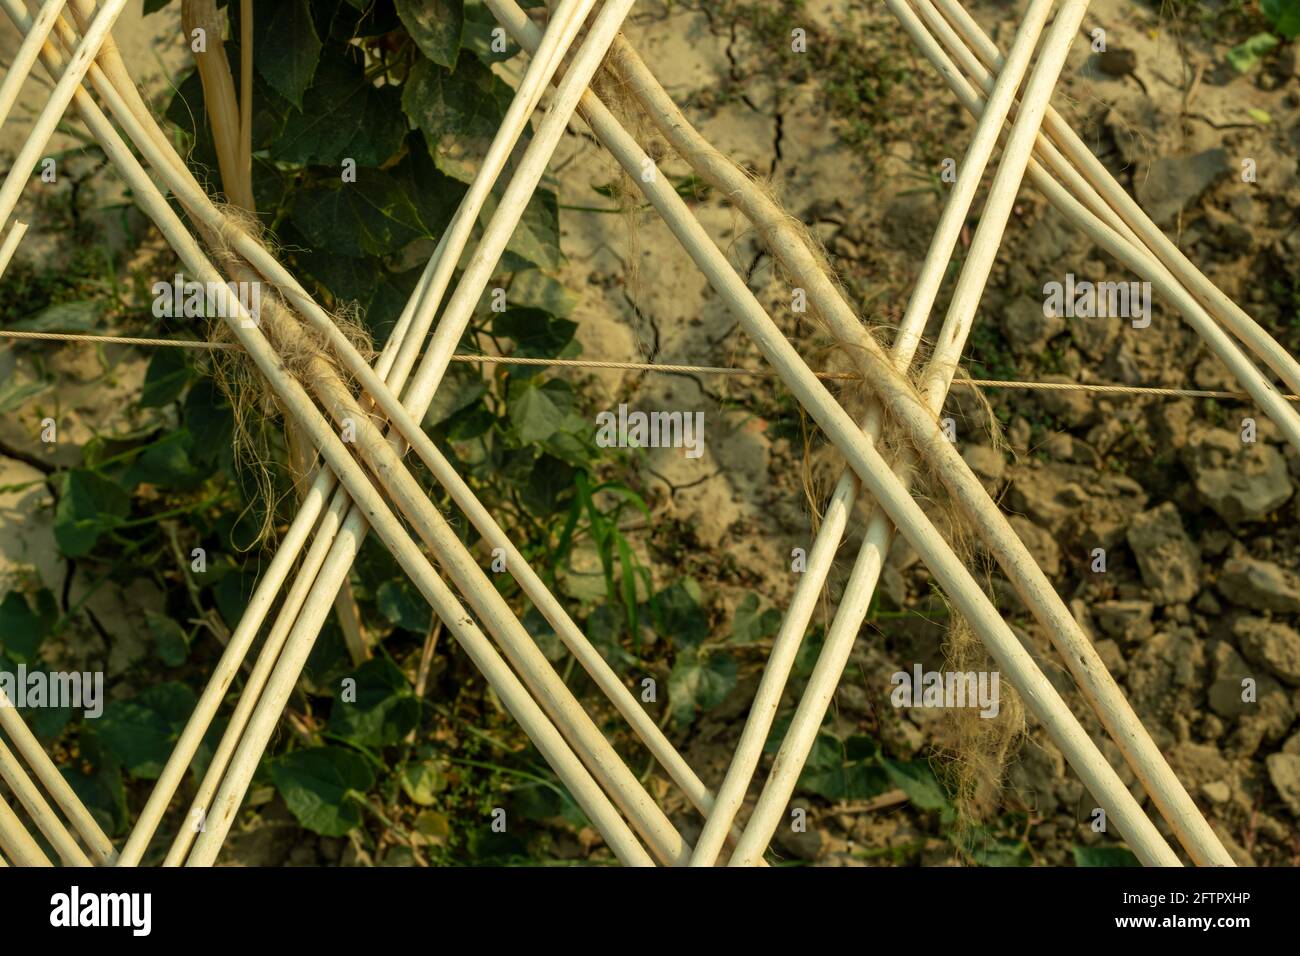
(1041, 698)
(1130, 213)
(294, 397)
(31, 751)
(1099, 687)
(1108, 230)
(785, 647)
(56, 106)
(21, 66)
(16, 841)
(39, 810)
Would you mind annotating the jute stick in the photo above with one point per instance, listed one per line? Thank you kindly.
(1103, 225)
(1039, 695)
(392, 369)
(483, 596)
(21, 65)
(47, 774)
(1131, 214)
(1032, 585)
(42, 814)
(831, 531)
(513, 695)
(10, 246)
(17, 842)
(55, 107)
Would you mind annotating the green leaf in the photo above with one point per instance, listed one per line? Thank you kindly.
(165, 464)
(286, 47)
(169, 639)
(1104, 856)
(458, 112)
(541, 631)
(422, 782)
(1002, 852)
(537, 411)
(385, 709)
(436, 196)
(536, 333)
(699, 682)
(63, 317)
(344, 116)
(404, 606)
(679, 615)
(845, 781)
(141, 731)
(23, 628)
(436, 26)
(548, 487)
(534, 289)
(483, 35)
(369, 217)
(917, 780)
(88, 506)
(165, 378)
(321, 787)
(1244, 56)
(1284, 15)
(749, 625)
(536, 240)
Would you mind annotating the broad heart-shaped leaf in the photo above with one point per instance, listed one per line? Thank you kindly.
(286, 47)
(141, 731)
(917, 780)
(458, 112)
(436, 26)
(166, 464)
(536, 240)
(537, 334)
(699, 682)
(1284, 15)
(404, 606)
(679, 616)
(1104, 856)
(320, 785)
(434, 194)
(369, 217)
(537, 411)
(22, 627)
(749, 625)
(343, 116)
(88, 506)
(170, 641)
(165, 378)
(384, 710)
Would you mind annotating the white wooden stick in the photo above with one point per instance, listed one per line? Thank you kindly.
(55, 107)
(21, 65)
(393, 366)
(1105, 227)
(14, 236)
(1039, 695)
(512, 693)
(47, 774)
(1131, 214)
(16, 841)
(42, 814)
(780, 662)
(1099, 687)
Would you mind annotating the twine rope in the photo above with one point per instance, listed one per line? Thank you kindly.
(666, 368)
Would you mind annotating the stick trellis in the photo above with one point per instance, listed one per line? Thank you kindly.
(365, 486)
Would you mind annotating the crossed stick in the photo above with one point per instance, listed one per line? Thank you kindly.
(583, 759)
